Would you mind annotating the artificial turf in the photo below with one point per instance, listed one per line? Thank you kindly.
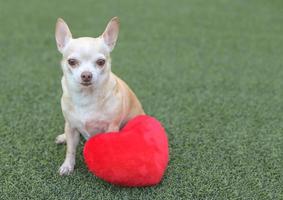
(210, 71)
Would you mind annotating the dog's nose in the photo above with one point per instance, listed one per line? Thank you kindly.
(86, 76)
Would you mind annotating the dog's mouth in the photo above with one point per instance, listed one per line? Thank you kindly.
(86, 83)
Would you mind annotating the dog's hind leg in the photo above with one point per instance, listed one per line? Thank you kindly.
(61, 139)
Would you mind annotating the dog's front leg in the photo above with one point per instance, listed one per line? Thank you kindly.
(72, 139)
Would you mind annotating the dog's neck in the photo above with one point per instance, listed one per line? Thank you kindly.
(83, 96)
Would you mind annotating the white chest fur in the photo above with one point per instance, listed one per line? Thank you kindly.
(89, 114)
(87, 120)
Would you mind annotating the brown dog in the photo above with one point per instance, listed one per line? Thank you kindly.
(94, 99)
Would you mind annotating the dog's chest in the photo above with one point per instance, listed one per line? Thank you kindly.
(88, 120)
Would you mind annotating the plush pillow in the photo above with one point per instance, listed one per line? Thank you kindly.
(135, 156)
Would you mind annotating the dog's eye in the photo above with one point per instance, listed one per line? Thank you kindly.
(100, 62)
(73, 62)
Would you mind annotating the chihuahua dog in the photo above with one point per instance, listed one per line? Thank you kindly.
(94, 99)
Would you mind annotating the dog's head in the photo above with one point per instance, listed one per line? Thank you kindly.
(86, 60)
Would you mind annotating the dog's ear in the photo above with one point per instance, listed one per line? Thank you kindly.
(111, 32)
(62, 34)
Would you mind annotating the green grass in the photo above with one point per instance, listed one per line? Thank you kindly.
(210, 71)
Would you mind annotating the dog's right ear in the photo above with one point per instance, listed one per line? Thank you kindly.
(111, 32)
(62, 34)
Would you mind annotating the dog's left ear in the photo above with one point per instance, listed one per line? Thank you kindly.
(111, 32)
(62, 34)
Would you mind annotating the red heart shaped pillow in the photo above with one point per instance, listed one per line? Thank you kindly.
(135, 156)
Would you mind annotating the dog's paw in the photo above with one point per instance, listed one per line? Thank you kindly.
(66, 169)
(61, 139)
